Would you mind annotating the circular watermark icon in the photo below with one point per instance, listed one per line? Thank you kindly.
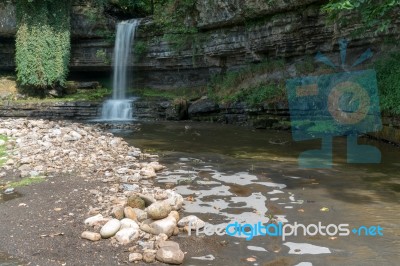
(359, 95)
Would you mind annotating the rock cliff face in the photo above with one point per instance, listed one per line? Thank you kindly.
(232, 34)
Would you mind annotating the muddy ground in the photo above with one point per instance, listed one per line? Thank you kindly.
(41, 234)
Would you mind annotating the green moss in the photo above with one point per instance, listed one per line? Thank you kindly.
(26, 182)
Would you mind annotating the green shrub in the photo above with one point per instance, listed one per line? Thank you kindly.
(102, 55)
(42, 42)
(388, 75)
(140, 49)
(241, 86)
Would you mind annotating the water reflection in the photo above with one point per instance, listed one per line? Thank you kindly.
(228, 173)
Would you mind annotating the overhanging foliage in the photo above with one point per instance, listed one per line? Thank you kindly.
(42, 42)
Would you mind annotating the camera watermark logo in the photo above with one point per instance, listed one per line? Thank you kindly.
(345, 103)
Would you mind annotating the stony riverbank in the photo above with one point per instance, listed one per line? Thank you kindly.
(127, 209)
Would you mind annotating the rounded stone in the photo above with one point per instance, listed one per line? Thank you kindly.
(170, 255)
(158, 210)
(130, 213)
(135, 257)
(118, 212)
(166, 226)
(128, 223)
(110, 228)
(92, 221)
(140, 214)
(92, 236)
(127, 235)
(149, 255)
(135, 201)
(192, 221)
(175, 215)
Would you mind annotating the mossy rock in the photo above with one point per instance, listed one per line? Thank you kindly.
(136, 202)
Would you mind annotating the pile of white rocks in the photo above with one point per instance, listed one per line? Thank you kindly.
(129, 210)
(144, 221)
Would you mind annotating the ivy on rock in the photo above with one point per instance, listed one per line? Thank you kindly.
(42, 43)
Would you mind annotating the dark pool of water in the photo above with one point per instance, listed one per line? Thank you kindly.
(238, 174)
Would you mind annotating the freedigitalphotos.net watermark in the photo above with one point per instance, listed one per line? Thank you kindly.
(249, 231)
(343, 103)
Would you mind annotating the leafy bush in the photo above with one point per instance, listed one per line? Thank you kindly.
(388, 75)
(174, 17)
(140, 49)
(42, 42)
(242, 85)
(371, 13)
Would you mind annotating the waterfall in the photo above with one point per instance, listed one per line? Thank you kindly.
(120, 106)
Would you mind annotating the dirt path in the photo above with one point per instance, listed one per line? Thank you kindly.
(22, 227)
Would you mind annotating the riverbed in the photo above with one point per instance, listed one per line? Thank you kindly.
(229, 174)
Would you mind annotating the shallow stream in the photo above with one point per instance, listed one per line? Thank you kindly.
(231, 174)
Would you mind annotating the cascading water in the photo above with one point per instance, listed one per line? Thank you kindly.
(120, 106)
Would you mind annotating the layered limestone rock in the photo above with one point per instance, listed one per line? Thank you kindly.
(220, 13)
(232, 34)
